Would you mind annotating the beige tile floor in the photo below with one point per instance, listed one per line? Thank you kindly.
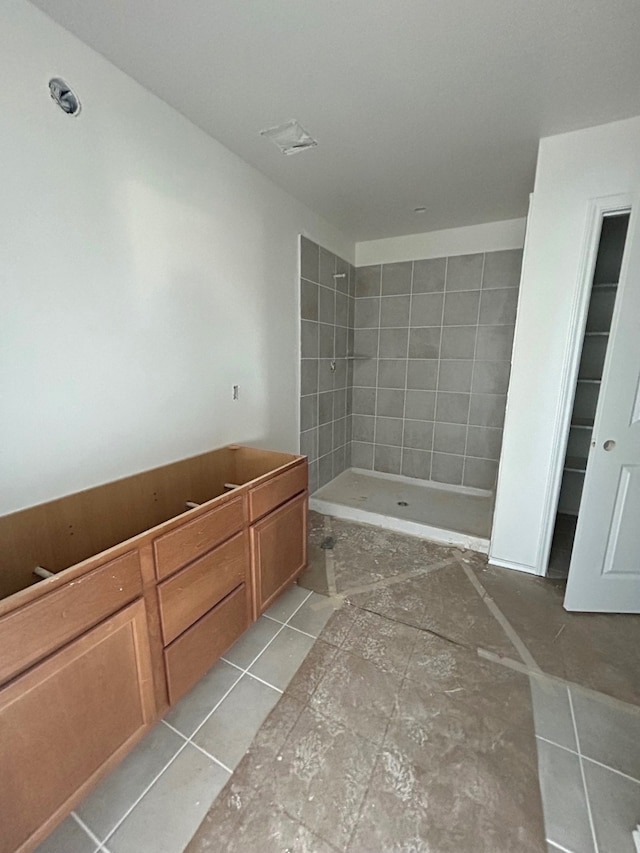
(155, 800)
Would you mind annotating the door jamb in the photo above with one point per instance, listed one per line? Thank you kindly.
(597, 209)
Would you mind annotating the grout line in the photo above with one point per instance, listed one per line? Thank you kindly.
(442, 452)
(234, 665)
(84, 826)
(300, 631)
(437, 392)
(555, 743)
(582, 773)
(333, 375)
(278, 632)
(218, 703)
(119, 823)
(262, 681)
(197, 746)
(590, 760)
(212, 757)
(473, 369)
(612, 769)
(175, 730)
(189, 740)
(243, 672)
(406, 374)
(465, 290)
(558, 846)
(449, 358)
(375, 401)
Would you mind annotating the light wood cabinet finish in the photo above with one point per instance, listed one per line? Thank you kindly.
(189, 594)
(279, 551)
(93, 655)
(193, 538)
(195, 651)
(274, 492)
(44, 625)
(67, 721)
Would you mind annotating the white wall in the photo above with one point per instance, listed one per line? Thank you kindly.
(487, 237)
(144, 270)
(573, 169)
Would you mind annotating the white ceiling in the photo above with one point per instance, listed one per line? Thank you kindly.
(413, 102)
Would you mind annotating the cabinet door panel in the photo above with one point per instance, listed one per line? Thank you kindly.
(279, 551)
(67, 721)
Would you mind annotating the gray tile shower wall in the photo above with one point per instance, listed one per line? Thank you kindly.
(433, 342)
(327, 286)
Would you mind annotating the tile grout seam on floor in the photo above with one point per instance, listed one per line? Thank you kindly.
(189, 740)
(587, 758)
(582, 773)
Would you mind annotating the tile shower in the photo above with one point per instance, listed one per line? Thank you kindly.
(327, 286)
(428, 346)
(429, 400)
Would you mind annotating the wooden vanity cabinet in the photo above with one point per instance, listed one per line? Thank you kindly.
(94, 655)
(67, 721)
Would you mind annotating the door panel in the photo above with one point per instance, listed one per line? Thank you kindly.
(621, 556)
(604, 575)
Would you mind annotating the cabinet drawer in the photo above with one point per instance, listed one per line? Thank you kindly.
(193, 538)
(276, 491)
(194, 652)
(188, 595)
(67, 721)
(31, 633)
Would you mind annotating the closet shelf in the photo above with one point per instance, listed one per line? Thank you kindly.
(596, 334)
(605, 286)
(575, 463)
(593, 381)
(582, 423)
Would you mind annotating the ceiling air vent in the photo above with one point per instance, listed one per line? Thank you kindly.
(290, 137)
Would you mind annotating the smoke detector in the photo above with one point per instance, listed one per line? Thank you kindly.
(290, 137)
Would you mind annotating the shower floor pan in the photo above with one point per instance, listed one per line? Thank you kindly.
(449, 514)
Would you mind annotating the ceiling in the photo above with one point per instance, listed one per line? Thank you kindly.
(433, 103)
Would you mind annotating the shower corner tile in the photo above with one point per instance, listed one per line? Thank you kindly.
(387, 459)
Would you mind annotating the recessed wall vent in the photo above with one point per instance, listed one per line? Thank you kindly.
(64, 96)
(291, 138)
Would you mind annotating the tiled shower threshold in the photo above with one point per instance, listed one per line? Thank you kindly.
(451, 515)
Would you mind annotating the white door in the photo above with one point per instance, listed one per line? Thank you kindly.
(604, 575)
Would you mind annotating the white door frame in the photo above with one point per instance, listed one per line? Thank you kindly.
(597, 208)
